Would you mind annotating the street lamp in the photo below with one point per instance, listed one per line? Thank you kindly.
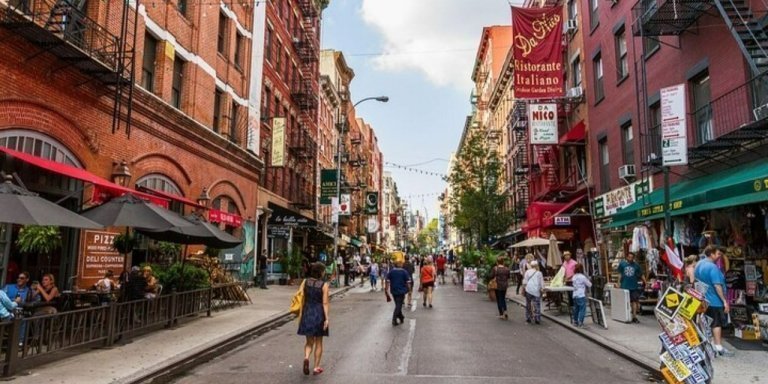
(121, 174)
(382, 99)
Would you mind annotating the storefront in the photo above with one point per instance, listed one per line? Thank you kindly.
(728, 209)
(288, 230)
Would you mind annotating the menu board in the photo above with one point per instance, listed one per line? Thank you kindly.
(470, 280)
(97, 257)
(598, 313)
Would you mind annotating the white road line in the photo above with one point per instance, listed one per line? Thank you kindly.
(406, 357)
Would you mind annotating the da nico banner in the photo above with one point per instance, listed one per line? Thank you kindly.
(537, 52)
(371, 203)
(278, 141)
(327, 185)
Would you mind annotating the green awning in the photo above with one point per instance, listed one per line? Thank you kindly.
(740, 185)
(356, 242)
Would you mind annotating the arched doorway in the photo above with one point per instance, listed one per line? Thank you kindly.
(149, 250)
(66, 191)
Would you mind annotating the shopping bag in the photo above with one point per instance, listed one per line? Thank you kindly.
(297, 301)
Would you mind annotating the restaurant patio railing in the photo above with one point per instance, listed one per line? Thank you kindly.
(25, 340)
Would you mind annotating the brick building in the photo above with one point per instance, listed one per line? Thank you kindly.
(183, 129)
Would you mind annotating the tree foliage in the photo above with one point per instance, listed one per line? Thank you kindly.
(427, 239)
(476, 199)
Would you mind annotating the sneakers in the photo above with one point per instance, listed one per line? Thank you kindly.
(725, 352)
(430, 305)
(635, 320)
(538, 322)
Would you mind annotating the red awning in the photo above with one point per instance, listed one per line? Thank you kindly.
(101, 185)
(550, 221)
(171, 196)
(576, 135)
(539, 211)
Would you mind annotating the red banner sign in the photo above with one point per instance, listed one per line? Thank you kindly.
(393, 219)
(216, 216)
(537, 52)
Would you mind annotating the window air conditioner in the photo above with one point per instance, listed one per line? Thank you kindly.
(571, 26)
(575, 92)
(627, 171)
(761, 112)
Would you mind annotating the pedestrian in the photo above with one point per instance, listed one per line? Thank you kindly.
(427, 280)
(440, 262)
(134, 286)
(519, 266)
(630, 274)
(690, 270)
(533, 281)
(373, 274)
(569, 266)
(501, 273)
(313, 323)
(408, 266)
(262, 261)
(384, 271)
(398, 284)
(708, 273)
(580, 284)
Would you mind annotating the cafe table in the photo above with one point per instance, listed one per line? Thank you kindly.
(555, 296)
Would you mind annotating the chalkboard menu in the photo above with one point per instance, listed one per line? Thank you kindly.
(598, 313)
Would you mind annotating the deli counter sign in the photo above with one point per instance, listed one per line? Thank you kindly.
(562, 220)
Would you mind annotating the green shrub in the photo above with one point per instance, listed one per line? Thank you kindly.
(171, 277)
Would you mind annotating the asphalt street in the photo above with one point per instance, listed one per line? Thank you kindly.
(460, 340)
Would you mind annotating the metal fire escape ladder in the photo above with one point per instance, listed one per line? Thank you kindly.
(521, 160)
(748, 32)
(126, 66)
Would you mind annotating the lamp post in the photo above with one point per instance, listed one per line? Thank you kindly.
(382, 99)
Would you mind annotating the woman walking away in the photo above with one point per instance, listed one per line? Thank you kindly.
(501, 273)
(534, 286)
(314, 315)
(580, 285)
(427, 281)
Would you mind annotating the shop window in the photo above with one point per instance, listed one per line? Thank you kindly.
(178, 77)
(148, 62)
(605, 175)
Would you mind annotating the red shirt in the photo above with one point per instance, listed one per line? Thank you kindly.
(441, 262)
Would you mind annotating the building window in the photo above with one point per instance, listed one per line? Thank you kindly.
(651, 45)
(268, 44)
(239, 51)
(597, 68)
(622, 64)
(702, 108)
(605, 176)
(233, 120)
(654, 134)
(594, 14)
(217, 98)
(222, 39)
(181, 5)
(265, 104)
(148, 63)
(628, 139)
(178, 77)
(278, 56)
(573, 10)
(576, 71)
(162, 183)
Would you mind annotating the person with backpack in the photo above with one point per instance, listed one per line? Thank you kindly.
(399, 284)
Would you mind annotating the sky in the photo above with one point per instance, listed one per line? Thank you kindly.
(420, 53)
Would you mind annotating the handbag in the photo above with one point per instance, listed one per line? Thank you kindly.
(297, 301)
(492, 284)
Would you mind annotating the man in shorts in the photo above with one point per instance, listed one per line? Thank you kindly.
(708, 273)
(630, 274)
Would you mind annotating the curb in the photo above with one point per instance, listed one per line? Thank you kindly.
(620, 350)
(167, 370)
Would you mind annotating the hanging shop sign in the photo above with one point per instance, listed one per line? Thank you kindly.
(615, 200)
(562, 220)
(372, 203)
(334, 210)
(674, 139)
(284, 217)
(537, 52)
(328, 185)
(278, 141)
(542, 121)
(372, 225)
(393, 219)
(230, 219)
(97, 257)
(345, 202)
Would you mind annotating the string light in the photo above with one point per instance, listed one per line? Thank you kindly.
(415, 170)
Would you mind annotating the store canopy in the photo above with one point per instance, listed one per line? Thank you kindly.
(576, 135)
(565, 210)
(285, 217)
(740, 185)
(356, 242)
(101, 184)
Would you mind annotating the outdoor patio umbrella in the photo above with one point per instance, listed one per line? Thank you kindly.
(21, 206)
(531, 242)
(131, 211)
(554, 257)
(197, 231)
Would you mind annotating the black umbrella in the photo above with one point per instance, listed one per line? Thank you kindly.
(131, 211)
(20, 206)
(197, 231)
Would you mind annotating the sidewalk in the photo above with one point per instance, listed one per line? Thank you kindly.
(640, 343)
(161, 349)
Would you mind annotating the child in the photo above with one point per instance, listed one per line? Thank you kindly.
(580, 285)
(534, 286)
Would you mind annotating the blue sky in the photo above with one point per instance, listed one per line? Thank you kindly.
(419, 53)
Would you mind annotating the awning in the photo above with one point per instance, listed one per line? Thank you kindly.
(564, 211)
(101, 185)
(356, 242)
(539, 211)
(744, 184)
(288, 218)
(171, 196)
(576, 135)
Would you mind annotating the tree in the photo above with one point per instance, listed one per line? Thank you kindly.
(477, 200)
(427, 239)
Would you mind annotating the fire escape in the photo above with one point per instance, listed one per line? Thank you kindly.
(305, 94)
(732, 122)
(521, 161)
(103, 52)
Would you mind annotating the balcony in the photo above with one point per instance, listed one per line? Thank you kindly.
(66, 32)
(302, 145)
(734, 121)
(666, 17)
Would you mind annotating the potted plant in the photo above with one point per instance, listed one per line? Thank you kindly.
(124, 243)
(42, 239)
(292, 263)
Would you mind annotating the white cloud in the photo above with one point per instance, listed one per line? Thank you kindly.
(436, 37)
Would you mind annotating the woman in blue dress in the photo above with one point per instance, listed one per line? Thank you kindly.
(313, 323)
